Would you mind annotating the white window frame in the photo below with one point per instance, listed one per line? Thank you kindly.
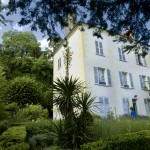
(99, 48)
(144, 82)
(140, 61)
(121, 54)
(126, 79)
(102, 76)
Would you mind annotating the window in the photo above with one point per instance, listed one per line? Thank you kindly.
(104, 106)
(99, 48)
(125, 105)
(121, 54)
(59, 63)
(140, 61)
(147, 106)
(102, 76)
(126, 80)
(145, 82)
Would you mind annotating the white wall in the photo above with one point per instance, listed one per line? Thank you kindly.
(111, 61)
(84, 60)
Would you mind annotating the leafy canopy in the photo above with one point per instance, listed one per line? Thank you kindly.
(20, 44)
(115, 15)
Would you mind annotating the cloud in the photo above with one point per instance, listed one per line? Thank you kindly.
(5, 2)
(44, 43)
(20, 28)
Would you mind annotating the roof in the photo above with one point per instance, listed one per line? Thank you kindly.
(85, 24)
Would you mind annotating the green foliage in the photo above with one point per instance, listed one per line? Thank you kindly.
(31, 113)
(3, 126)
(39, 127)
(135, 141)
(42, 69)
(3, 113)
(12, 108)
(65, 94)
(40, 141)
(13, 138)
(20, 44)
(3, 82)
(74, 105)
(24, 90)
(67, 57)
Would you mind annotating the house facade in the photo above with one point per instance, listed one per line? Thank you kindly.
(118, 80)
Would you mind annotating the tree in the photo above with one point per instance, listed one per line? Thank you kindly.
(20, 44)
(2, 18)
(115, 15)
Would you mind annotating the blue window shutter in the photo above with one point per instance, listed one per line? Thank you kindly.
(145, 63)
(101, 48)
(148, 81)
(119, 51)
(122, 53)
(60, 62)
(131, 80)
(141, 81)
(137, 60)
(109, 77)
(121, 79)
(97, 47)
(96, 75)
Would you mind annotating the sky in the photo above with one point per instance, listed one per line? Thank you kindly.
(14, 26)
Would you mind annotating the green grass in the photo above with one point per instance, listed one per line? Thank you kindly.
(107, 128)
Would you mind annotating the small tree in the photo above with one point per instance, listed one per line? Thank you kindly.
(24, 90)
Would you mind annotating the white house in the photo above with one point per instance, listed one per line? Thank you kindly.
(112, 76)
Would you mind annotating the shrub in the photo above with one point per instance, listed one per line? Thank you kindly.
(19, 146)
(3, 126)
(13, 137)
(24, 90)
(39, 127)
(135, 141)
(31, 113)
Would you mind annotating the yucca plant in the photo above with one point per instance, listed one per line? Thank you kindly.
(66, 92)
(74, 105)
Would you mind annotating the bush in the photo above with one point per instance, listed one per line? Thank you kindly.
(13, 138)
(20, 146)
(3, 126)
(39, 134)
(31, 113)
(135, 141)
(39, 127)
(24, 90)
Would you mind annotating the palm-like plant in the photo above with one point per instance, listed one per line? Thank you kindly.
(74, 105)
(66, 92)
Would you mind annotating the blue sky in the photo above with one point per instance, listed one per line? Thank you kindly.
(14, 26)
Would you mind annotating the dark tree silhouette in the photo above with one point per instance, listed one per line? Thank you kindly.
(113, 15)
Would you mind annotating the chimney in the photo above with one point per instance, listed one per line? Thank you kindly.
(70, 22)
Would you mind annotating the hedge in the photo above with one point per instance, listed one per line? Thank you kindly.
(130, 141)
(14, 139)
